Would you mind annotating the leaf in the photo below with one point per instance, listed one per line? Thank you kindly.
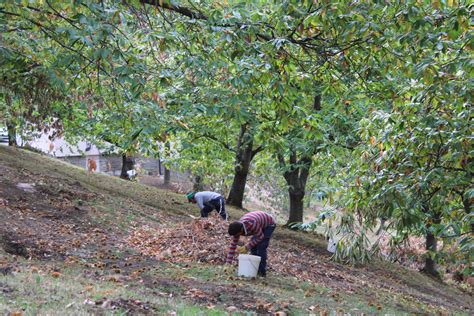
(372, 140)
(55, 274)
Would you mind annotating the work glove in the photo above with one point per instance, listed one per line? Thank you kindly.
(242, 250)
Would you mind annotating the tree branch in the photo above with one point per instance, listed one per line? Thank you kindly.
(176, 8)
(304, 42)
(211, 137)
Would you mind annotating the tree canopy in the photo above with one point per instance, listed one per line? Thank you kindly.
(373, 98)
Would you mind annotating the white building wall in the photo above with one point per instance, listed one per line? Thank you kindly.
(59, 147)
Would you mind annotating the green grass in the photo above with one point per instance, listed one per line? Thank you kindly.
(301, 297)
(73, 294)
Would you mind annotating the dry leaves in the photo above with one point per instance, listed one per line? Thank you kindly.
(201, 240)
(196, 293)
(55, 274)
(207, 240)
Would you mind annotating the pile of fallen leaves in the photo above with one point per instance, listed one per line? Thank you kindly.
(200, 240)
(207, 240)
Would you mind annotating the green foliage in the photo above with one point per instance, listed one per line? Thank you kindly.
(413, 164)
(390, 137)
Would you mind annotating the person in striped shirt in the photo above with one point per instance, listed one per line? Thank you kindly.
(208, 201)
(259, 225)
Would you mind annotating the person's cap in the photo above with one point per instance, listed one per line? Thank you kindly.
(190, 196)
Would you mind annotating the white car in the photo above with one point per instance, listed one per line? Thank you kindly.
(3, 135)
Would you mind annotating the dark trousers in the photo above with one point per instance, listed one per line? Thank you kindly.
(261, 249)
(217, 204)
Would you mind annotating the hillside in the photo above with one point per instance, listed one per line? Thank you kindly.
(78, 243)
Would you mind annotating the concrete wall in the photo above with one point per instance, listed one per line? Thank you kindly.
(59, 147)
(112, 165)
(149, 166)
(89, 157)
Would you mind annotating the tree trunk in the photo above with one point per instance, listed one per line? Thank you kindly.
(197, 185)
(297, 172)
(11, 134)
(243, 158)
(242, 166)
(167, 179)
(296, 179)
(468, 209)
(308, 203)
(430, 264)
(296, 205)
(431, 246)
(236, 194)
(127, 164)
(11, 129)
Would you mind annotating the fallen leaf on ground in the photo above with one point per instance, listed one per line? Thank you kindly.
(55, 274)
(231, 309)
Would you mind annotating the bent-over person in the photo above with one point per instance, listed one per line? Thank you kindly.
(207, 202)
(258, 224)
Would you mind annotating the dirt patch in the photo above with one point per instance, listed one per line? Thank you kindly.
(51, 221)
(12, 244)
(241, 296)
(129, 306)
(5, 289)
(50, 218)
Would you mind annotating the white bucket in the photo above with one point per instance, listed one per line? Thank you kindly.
(332, 245)
(248, 265)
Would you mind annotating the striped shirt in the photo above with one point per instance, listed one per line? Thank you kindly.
(254, 224)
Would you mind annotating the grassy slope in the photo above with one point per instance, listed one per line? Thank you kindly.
(81, 279)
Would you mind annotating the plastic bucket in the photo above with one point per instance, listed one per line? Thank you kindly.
(332, 245)
(248, 265)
